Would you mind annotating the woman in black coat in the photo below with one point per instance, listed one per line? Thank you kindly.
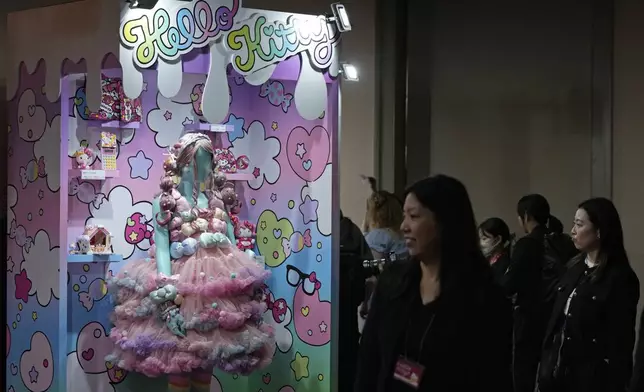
(590, 337)
(438, 322)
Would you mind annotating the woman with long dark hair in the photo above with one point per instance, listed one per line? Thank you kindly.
(590, 337)
(438, 321)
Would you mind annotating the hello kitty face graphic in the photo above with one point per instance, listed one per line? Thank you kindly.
(83, 159)
(245, 232)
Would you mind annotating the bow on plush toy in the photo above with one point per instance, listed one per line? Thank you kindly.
(189, 246)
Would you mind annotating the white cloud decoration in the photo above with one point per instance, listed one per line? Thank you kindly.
(320, 190)
(262, 152)
(113, 214)
(41, 265)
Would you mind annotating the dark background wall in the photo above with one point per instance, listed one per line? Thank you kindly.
(520, 96)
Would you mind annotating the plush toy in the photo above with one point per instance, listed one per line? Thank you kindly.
(82, 245)
(210, 240)
(228, 196)
(83, 158)
(244, 234)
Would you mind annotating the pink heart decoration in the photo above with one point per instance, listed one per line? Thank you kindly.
(88, 354)
(308, 152)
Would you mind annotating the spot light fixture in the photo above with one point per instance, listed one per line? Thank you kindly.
(340, 17)
(350, 72)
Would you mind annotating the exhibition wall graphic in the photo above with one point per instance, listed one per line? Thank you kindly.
(288, 195)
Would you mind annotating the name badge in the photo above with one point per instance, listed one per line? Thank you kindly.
(409, 372)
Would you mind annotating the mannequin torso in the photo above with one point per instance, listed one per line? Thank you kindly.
(203, 161)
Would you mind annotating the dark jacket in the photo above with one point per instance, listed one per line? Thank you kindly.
(500, 267)
(596, 339)
(526, 280)
(471, 335)
(352, 240)
(353, 251)
(637, 382)
(523, 278)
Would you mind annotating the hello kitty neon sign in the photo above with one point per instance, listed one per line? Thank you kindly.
(156, 35)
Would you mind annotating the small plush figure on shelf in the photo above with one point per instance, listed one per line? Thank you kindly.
(244, 234)
(108, 151)
(100, 239)
(81, 246)
(83, 157)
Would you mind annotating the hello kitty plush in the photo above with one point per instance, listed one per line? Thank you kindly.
(83, 158)
(244, 234)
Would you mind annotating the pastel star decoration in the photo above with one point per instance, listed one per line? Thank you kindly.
(167, 115)
(33, 375)
(323, 327)
(300, 366)
(10, 264)
(145, 86)
(139, 165)
(34, 316)
(238, 127)
(256, 172)
(309, 209)
(262, 225)
(187, 121)
(274, 126)
(301, 150)
(11, 389)
(41, 194)
(273, 197)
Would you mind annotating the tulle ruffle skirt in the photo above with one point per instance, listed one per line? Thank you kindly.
(221, 315)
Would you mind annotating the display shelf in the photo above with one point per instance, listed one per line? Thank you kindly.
(94, 258)
(113, 124)
(239, 176)
(89, 174)
(205, 127)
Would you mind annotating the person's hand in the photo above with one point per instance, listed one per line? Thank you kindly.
(364, 310)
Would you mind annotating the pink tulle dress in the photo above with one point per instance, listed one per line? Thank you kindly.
(207, 314)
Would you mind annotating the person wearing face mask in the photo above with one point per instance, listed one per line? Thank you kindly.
(537, 262)
(589, 340)
(495, 239)
(438, 321)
